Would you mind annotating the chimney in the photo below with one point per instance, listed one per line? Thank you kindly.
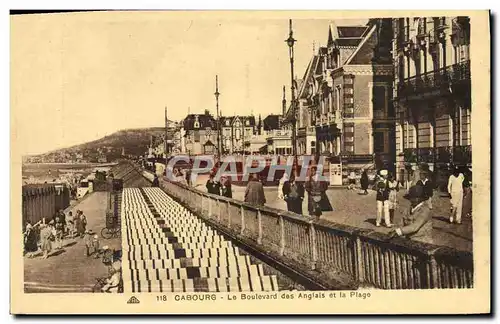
(207, 112)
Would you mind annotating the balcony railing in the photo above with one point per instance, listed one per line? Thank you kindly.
(435, 81)
(446, 154)
(279, 133)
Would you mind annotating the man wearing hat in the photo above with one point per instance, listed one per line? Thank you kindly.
(213, 186)
(382, 188)
(418, 222)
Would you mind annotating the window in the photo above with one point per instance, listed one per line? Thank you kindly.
(227, 122)
(247, 123)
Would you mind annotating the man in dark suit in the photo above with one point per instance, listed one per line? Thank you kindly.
(213, 186)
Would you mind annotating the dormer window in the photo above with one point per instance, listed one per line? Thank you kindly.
(227, 122)
(247, 123)
(196, 122)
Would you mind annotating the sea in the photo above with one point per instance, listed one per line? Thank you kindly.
(58, 172)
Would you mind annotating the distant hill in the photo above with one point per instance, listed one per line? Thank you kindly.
(134, 141)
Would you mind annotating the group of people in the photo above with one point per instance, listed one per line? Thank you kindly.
(417, 222)
(293, 192)
(42, 234)
(221, 188)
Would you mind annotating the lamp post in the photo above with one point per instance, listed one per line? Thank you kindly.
(290, 42)
(217, 94)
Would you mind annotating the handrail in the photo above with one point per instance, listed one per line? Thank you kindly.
(329, 249)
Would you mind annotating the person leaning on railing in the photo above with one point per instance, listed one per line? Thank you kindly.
(418, 221)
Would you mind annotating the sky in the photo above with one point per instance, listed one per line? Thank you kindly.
(79, 77)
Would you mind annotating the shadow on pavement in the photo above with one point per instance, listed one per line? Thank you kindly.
(56, 253)
(70, 244)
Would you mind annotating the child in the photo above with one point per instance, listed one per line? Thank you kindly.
(91, 240)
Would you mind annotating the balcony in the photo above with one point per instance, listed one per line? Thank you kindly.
(451, 79)
(306, 131)
(279, 133)
(461, 155)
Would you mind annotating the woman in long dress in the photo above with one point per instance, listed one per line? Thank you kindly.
(46, 236)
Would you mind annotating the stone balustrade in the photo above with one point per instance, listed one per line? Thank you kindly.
(330, 251)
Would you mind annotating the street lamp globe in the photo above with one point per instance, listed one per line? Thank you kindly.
(290, 41)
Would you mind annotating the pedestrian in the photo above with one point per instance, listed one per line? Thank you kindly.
(254, 193)
(70, 220)
(213, 186)
(77, 222)
(225, 188)
(91, 241)
(59, 227)
(417, 223)
(456, 191)
(188, 176)
(46, 238)
(62, 219)
(382, 187)
(95, 246)
(393, 196)
(283, 179)
(156, 182)
(467, 203)
(30, 240)
(427, 185)
(83, 224)
(293, 193)
(352, 180)
(113, 282)
(315, 193)
(364, 182)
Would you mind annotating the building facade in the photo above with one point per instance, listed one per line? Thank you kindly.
(200, 134)
(432, 93)
(344, 102)
(237, 131)
(278, 132)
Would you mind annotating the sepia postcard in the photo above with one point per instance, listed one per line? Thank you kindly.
(250, 162)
